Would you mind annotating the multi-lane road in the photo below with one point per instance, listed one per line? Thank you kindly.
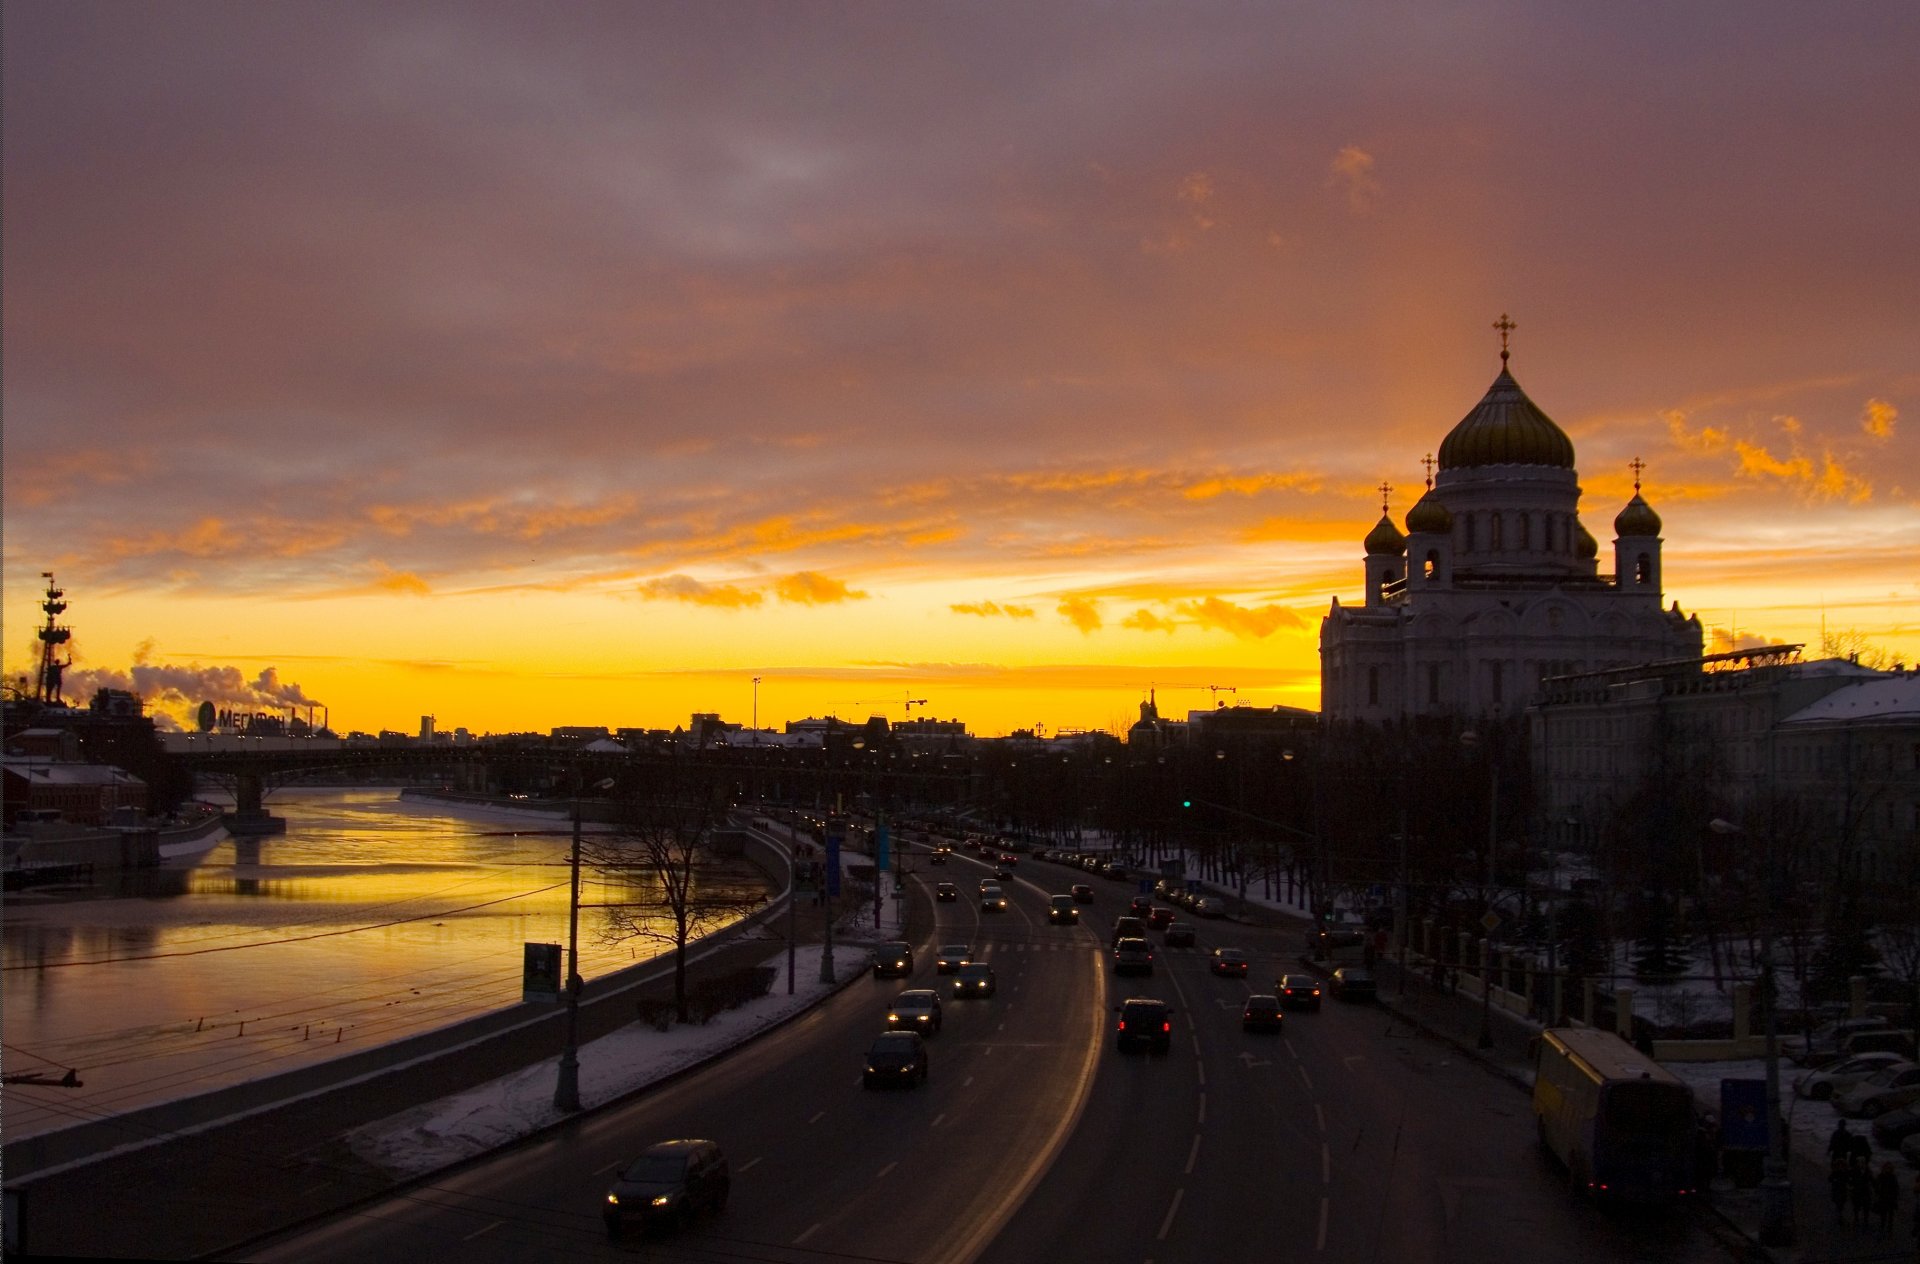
(1347, 1138)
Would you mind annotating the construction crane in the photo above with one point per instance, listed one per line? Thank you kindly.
(870, 702)
(1217, 690)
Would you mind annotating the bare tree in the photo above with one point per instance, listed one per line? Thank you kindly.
(660, 856)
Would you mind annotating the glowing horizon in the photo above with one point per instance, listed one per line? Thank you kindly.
(523, 382)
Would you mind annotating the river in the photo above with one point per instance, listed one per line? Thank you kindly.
(370, 919)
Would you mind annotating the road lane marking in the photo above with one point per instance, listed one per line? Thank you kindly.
(964, 1083)
(1320, 1116)
(1305, 1078)
(1168, 1222)
(937, 1118)
(888, 1168)
(749, 1163)
(489, 1228)
(1320, 1242)
(1193, 1153)
(818, 1115)
(811, 1230)
(1203, 1108)
(1326, 1164)
(609, 1167)
(1202, 1070)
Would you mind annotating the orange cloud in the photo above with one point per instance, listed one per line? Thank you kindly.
(1246, 622)
(405, 583)
(1146, 620)
(1352, 171)
(805, 588)
(1878, 417)
(1080, 612)
(988, 609)
(1249, 484)
(693, 592)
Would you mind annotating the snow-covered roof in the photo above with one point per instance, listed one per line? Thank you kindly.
(1888, 699)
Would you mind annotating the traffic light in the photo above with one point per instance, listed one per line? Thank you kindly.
(1186, 803)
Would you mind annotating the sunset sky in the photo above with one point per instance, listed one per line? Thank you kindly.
(529, 365)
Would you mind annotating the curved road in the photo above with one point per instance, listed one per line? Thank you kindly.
(1345, 1138)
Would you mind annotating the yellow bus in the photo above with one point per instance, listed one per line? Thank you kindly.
(1621, 1124)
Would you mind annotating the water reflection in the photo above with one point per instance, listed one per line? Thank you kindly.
(369, 919)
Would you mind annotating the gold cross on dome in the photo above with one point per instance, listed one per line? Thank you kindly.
(1636, 465)
(1385, 489)
(1428, 461)
(1506, 326)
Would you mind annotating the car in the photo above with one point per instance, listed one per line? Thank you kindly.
(1128, 927)
(668, 1184)
(988, 882)
(1158, 916)
(1853, 1102)
(1062, 911)
(951, 958)
(916, 1009)
(975, 979)
(1178, 935)
(893, 959)
(1351, 983)
(1211, 906)
(1298, 991)
(1841, 1074)
(992, 899)
(1140, 906)
(1829, 1040)
(1003, 873)
(1145, 1022)
(1228, 962)
(896, 1057)
(1081, 893)
(1262, 1013)
(1894, 1128)
(1009, 859)
(946, 892)
(940, 855)
(1132, 955)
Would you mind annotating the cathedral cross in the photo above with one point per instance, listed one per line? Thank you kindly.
(1385, 489)
(1636, 465)
(1427, 461)
(1505, 326)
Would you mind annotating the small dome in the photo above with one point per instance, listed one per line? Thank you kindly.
(1637, 518)
(1429, 517)
(1506, 428)
(1385, 538)
(1583, 542)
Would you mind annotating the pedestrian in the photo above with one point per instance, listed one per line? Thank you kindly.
(1886, 1196)
(1839, 1180)
(1840, 1144)
(1860, 1192)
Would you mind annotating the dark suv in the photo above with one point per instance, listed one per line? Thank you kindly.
(669, 1184)
(1144, 1023)
(892, 960)
(896, 1057)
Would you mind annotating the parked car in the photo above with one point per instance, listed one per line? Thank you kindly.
(893, 959)
(1132, 955)
(975, 979)
(1351, 983)
(668, 1184)
(1853, 1102)
(1178, 935)
(1893, 1129)
(1262, 1013)
(1211, 906)
(1841, 1074)
(917, 1009)
(1144, 1023)
(1829, 1039)
(896, 1057)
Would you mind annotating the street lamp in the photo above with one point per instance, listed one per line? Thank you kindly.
(566, 1090)
(1471, 739)
(1776, 1180)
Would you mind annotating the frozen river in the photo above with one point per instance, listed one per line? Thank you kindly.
(370, 919)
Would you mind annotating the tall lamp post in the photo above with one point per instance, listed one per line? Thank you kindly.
(1471, 739)
(566, 1090)
(1776, 1179)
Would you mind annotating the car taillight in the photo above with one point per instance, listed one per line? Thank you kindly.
(1165, 1025)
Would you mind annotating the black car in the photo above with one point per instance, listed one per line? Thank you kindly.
(1062, 911)
(946, 892)
(1144, 1023)
(1298, 991)
(1351, 983)
(1229, 962)
(976, 979)
(669, 1184)
(1082, 893)
(1178, 935)
(1262, 1013)
(892, 960)
(896, 1057)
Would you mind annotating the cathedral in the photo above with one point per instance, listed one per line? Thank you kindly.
(1495, 584)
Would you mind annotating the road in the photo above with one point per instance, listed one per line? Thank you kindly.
(1344, 1139)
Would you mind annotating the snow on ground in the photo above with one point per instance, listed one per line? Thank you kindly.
(445, 1131)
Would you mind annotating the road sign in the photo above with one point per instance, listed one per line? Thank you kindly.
(1490, 920)
(540, 972)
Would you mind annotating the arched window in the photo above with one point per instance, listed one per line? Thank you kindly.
(1494, 539)
(1431, 569)
(1643, 569)
(1467, 538)
(1526, 533)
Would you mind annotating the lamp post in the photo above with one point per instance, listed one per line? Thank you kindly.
(566, 1089)
(1471, 739)
(1776, 1179)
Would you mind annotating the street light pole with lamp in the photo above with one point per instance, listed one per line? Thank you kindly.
(566, 1089)
(1776, 1179)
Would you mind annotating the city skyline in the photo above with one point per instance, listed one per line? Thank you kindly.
(582, 367)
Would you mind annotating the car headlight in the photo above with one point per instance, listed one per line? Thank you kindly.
(613, 1200)
(662, 1200)
(893, 1018)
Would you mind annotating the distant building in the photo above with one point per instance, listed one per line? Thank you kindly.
(426, 728)
(1495, 584)
(82, 794)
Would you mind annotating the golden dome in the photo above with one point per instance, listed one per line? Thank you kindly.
(1637, 518)
(1385, 538)
(1506, 428)
(1429, 517)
